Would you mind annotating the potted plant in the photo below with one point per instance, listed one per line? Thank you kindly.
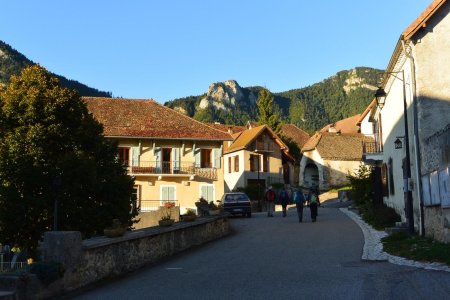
(115, 230)
(214, 209)
(166, 219)
(202, 206)
(190, 215)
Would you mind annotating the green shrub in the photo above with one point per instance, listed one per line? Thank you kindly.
(379, 216)
(47, 272)
(361, 185)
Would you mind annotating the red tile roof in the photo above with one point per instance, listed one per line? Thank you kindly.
(332, 146)
(226, 128)
(348, 125)
(243, 139)
(294, 133)
(148, 119)
(422, 19)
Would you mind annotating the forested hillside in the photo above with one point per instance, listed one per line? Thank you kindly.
(12, 62)
(310, 108)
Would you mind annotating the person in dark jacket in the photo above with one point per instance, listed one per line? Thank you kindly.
(284, 200)
(313, 204)
(299, 200)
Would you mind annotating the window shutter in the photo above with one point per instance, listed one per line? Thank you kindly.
(158, 159)
(176, 159)
(165, 194)
(171, 193)
(197, 156)
(217, 154)
(135, 156)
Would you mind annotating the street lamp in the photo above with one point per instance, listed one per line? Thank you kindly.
(380, 97)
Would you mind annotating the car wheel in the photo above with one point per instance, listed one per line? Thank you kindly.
(249, 215)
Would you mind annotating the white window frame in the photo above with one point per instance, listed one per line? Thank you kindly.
(161, 201)
(207, 185)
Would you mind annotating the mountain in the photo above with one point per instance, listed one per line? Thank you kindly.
(12, 62)
(340, 96)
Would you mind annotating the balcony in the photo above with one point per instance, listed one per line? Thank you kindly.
(372, 152)
(174, 169)
(263, 146)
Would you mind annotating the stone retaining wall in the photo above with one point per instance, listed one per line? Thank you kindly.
(89, 261)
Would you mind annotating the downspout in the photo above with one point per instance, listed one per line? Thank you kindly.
(416, 135)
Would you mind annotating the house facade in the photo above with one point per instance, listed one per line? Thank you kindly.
(172, 157)
(412, 125)
(257, 157)
(331, 154)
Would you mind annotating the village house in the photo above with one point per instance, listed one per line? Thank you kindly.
(411, 121)
(256, 157)
(332, 153)
(172, 157)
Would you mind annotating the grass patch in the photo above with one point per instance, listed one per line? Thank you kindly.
(416, 248)
(337, 189)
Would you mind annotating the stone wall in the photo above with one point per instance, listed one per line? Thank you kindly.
(437, 223)
(89, 261)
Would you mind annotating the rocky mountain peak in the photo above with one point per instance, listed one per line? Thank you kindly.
(223, 95)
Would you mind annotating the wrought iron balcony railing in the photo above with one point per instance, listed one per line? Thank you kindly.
(170, 168)
(372, 148)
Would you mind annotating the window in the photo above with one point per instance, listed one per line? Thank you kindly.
(391, 177)
(206, 161)
(168, 193)
(124, 155)
(236, 163)
(384, 185)
(265, 163)
(229, 164)
(136, 196)
(254, 163)
(207, 192)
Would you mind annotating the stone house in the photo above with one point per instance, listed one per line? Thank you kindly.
(412, 123)
(171, 156)
(331, 154)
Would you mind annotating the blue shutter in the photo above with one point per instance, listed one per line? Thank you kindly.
(176, 159)
(158, 159)
(135, 156)
(197, 153)
(217, 155)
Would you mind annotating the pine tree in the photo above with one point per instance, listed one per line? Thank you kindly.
(268, 113)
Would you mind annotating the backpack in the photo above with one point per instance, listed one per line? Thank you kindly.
(313, 198)
(299, 198)
(270, 195)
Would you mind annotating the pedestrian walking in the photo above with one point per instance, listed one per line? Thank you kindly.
(299, 200)
(269, 197)
(313, 204)
(284, 200)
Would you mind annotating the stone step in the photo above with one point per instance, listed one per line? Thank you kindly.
(391, 230)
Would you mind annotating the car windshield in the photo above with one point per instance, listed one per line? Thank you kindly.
(235, 197)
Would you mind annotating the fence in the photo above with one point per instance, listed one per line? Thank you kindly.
(9, 263)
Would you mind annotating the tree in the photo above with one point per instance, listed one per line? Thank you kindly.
(267, 112)
(51, 149)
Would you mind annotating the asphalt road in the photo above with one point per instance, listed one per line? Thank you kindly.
(278, 258)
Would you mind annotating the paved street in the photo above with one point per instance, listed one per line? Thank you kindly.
(268, 258)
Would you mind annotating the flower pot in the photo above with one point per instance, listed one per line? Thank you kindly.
(214, 212)
(114, 232)
(189, 218)
(166, 223)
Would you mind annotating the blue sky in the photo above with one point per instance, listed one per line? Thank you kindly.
(167, 49)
